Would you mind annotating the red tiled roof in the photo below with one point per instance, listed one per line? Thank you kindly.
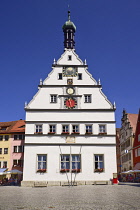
(133, 120)
(12, 126)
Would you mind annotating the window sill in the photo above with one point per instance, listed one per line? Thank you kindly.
(88, 133)
(51, 133)
(99, 170)
(64, 170)
(75, 133)
(38, 133)
(76, 171)
(41, 171)
(65, 133)
(102, 134)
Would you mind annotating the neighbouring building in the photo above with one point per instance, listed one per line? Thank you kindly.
(136, 146)
(127, 133)
(70, 135)
(118, 150)
(11, 144)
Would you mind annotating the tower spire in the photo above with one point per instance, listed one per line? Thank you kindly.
(69, 29)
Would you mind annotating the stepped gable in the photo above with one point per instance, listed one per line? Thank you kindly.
(133, 120)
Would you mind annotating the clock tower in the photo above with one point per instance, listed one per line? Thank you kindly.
(70, 125)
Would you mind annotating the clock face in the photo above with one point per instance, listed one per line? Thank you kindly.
(70, 91)
(70, 71)
(70, 103)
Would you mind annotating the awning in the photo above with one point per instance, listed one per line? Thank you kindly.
(14, 172)
(2, 171)
(137, 166)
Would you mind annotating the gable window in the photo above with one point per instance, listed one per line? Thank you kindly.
(88, 129)
(19, 137)
(38, 129)
(65, 128)
(87, 98)
(53, 99)
(52, 128)
(70, 163)
(5, 150)
(69, 57)
(5, 164)
(1, 138)
(79, 76)
(60, 76)
(6, 137)
(98, 163)
(41, 163)
(102, 129)
(18, 149)
(75, 128)
(0, 150)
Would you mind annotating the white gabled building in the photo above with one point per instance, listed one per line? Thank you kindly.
(70, 125)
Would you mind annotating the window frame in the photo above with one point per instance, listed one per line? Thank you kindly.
(18, 137)
(69, 57)
(103, 131)
(5, 151)
(88, 130)
(4, 164)
(75, 130)
(1, 137)
(17, 162)
(39, 130)
(70, 162)
(5, 137)
(79, 76)
(53, 98)
(17, 150)
(60, 76)
(65, 130)
(138, 137)
(99, 169)
(52, 130)
(87, 98)
(42, 169)
(1, 151)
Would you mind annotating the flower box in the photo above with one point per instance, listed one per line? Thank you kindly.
(99, 170)
(38, 133)
(41, 171)
(64, 170)
(88, 133)
(76, 170)
(75, 133)
(50, 133)
(65, 133)
(102, 134)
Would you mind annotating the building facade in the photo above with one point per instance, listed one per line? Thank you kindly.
(136, 146)
(11, 141)
(127, 133)
(70, 132)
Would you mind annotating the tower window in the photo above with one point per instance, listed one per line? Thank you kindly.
(60, 76)
(79, 76)
(69, 57)
(53, 99)
(87, 98)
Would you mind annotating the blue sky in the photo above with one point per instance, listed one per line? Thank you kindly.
(107, 35)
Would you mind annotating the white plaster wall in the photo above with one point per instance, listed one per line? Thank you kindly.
(53, 163)
(70, 116)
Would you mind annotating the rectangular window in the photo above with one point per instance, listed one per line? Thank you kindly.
(19, 137)
(79, 76)
(98, 163)
(87, 98)
(52, 128)
(6, 137)
(0, 164)
(139, 137)
(0, 150)
(5, 164)
(18, 149)
(18, 163)
(65, 128)
(1, 138)
(5, 150)
(41, 163)
(60, 76)
(136, 153)
(53, 99)
(88, 129)
(102, 128)
(70, 163)
(75, 128)
(38, 128)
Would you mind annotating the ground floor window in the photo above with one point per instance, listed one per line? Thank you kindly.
(41, 163)
(18, 163)
(98, 163)
(70, 163)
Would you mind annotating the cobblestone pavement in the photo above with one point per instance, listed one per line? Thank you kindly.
(87, 197)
